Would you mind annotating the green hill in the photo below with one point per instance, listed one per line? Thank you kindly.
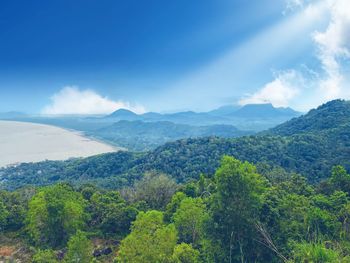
(145, 136)
(310, 145)
(332, 115)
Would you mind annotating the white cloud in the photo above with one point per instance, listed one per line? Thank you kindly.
(333, 52)
(72, 100)
(333, 48)
(292, 5)
(279, 92)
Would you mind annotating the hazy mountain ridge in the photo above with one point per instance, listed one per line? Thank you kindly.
(309, 152)
(151, 129)
(255, 117)
(260, 116)
(141, 136)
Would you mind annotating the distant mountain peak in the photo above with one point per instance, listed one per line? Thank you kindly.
(123, 113)
(266, 110)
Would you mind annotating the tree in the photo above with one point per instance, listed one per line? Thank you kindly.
(184, 253)
(340, 179)
(318, 253)
(45, 256)
(79, 249)
(3, 216)
(150, 240)
(110, 214)
(173, 205)
(189, 220)
(155, 189)
(12, 209)
(55, 213)
(235, 209)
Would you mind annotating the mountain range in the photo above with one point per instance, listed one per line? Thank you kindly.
(142, 132)
(249, 117)
(309, 145)
(143, 136)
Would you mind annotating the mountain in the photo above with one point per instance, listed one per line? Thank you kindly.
(254, 111)
(334, 114)
(151, 116)
(314, 147)
(142, 136)
(224, 110)
(256, 117)
(250, 117)
(123, 114)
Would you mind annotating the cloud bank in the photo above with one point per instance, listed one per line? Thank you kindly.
(279, 92)
(332, 49)
(72, 100)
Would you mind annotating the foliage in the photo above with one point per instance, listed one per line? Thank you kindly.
(110, 214)
(189, 220)
(235, 208)
(13, 207)
(329, 115)
(150, 240)
(45, 256)
(318, 253)
(79, 249)
(155, 189)
(55, 213)
(340, 180)
(144, 136)
(173, 205)
(3, 216)
(184, 253)
(236, 215)
(293, 206)
(309, 145)
(97, 170)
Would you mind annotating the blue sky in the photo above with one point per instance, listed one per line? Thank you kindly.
(94, 56)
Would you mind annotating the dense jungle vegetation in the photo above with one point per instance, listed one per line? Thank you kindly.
(235, 215)
(279, 196)
(309, 145)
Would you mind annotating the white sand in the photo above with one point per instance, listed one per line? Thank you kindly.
(30, 142)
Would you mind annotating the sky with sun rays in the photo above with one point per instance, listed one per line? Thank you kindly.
(96, 56)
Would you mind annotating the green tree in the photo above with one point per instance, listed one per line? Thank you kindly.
(55, 213)
(173, 205)
(235, 209)
(3, 216)
(110, 214)
(150, 240)
(45, 256)
(155, 189)
(14, 206)
(189, 220)
(79, 249)
(317, 253)
(340, 179)
(185, 253)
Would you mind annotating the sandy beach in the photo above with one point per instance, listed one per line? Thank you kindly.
(30, 142)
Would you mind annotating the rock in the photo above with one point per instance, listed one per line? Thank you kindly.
(60, 254)
(102, 252)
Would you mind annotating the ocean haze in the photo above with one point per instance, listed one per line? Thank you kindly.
(29, 142)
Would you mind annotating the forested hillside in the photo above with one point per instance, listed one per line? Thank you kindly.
(312, 152)
(234, 215)
(332, 117)
(145, 136)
